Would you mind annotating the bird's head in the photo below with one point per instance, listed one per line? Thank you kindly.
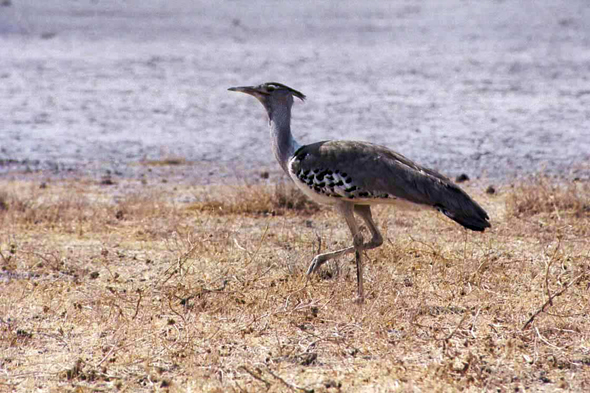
(271, 94)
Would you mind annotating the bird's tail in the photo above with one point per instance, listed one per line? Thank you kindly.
(459, 207)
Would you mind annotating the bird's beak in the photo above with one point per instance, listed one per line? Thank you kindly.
(246, 89)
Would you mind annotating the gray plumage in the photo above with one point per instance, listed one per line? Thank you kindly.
(351, 176)
(365, 173)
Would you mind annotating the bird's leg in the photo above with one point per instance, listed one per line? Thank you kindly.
(357, 241)
(359, 275)
(320, 259)
(376, 240)
(347, 210)
(365, 212)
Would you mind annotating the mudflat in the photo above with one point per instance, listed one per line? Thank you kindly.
(494, 89)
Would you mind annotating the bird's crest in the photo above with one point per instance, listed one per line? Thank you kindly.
(275, 85)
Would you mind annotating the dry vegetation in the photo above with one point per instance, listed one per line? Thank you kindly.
(123, 288)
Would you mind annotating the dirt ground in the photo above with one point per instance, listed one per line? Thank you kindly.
(148, 241)
(121, 288)
(493, 88)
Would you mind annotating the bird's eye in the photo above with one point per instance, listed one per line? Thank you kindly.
(270, 88)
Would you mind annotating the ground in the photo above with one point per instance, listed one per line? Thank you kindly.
(148, 241)
(122, 286)
(497, 88)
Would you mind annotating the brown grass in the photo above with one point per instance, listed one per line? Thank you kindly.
(277, 199)
(168, 161)
(542, 196)
(121, 288)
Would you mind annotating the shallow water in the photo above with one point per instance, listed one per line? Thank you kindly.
(493, 88)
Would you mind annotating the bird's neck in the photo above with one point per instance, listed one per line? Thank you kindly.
(283, 144)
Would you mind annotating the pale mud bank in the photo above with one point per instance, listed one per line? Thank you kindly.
(494, 89)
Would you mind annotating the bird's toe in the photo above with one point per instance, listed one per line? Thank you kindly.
(315, 264)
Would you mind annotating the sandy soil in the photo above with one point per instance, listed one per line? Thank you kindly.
(494, 88)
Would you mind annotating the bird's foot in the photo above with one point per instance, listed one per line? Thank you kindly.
(317, 261)
(320, 259)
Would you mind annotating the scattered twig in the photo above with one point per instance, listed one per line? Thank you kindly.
(240, 246)
(287, 384)
(319, 243)
(550, 300)
(262, 238)
(203, 291)
(545, 340)
(179, 315)
(549, 266)
(456, 327)
(109, 353)
(140, 292)
(473, 321)
(58, 337)
(117, 346)
(256, 376)
(4, 259)
(172, 270)
(54, 264)
(433, 250)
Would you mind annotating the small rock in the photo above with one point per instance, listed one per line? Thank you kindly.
(107, 181)
(264, 175)
(491, 190)
(94, 275)
(332, 384)
(308, 359)
(462, 178)
(543, 377)
(48, 35)
(23, 334)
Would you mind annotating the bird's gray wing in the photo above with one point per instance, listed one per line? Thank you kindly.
(360, 171)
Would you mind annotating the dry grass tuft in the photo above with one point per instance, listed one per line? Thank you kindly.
(122, 289)
(169, 161)
(75, 207)
(544, 196)
(273, 200)
(3, 201)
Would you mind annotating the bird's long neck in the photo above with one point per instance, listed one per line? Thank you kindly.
(283, 144)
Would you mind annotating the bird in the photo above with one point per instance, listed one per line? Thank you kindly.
(351, 176)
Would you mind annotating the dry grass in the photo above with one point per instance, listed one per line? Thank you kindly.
(541, 196)
(167, 161)
(273, 200)
(109, 289)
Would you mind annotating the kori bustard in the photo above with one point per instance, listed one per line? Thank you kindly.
(352, 176)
